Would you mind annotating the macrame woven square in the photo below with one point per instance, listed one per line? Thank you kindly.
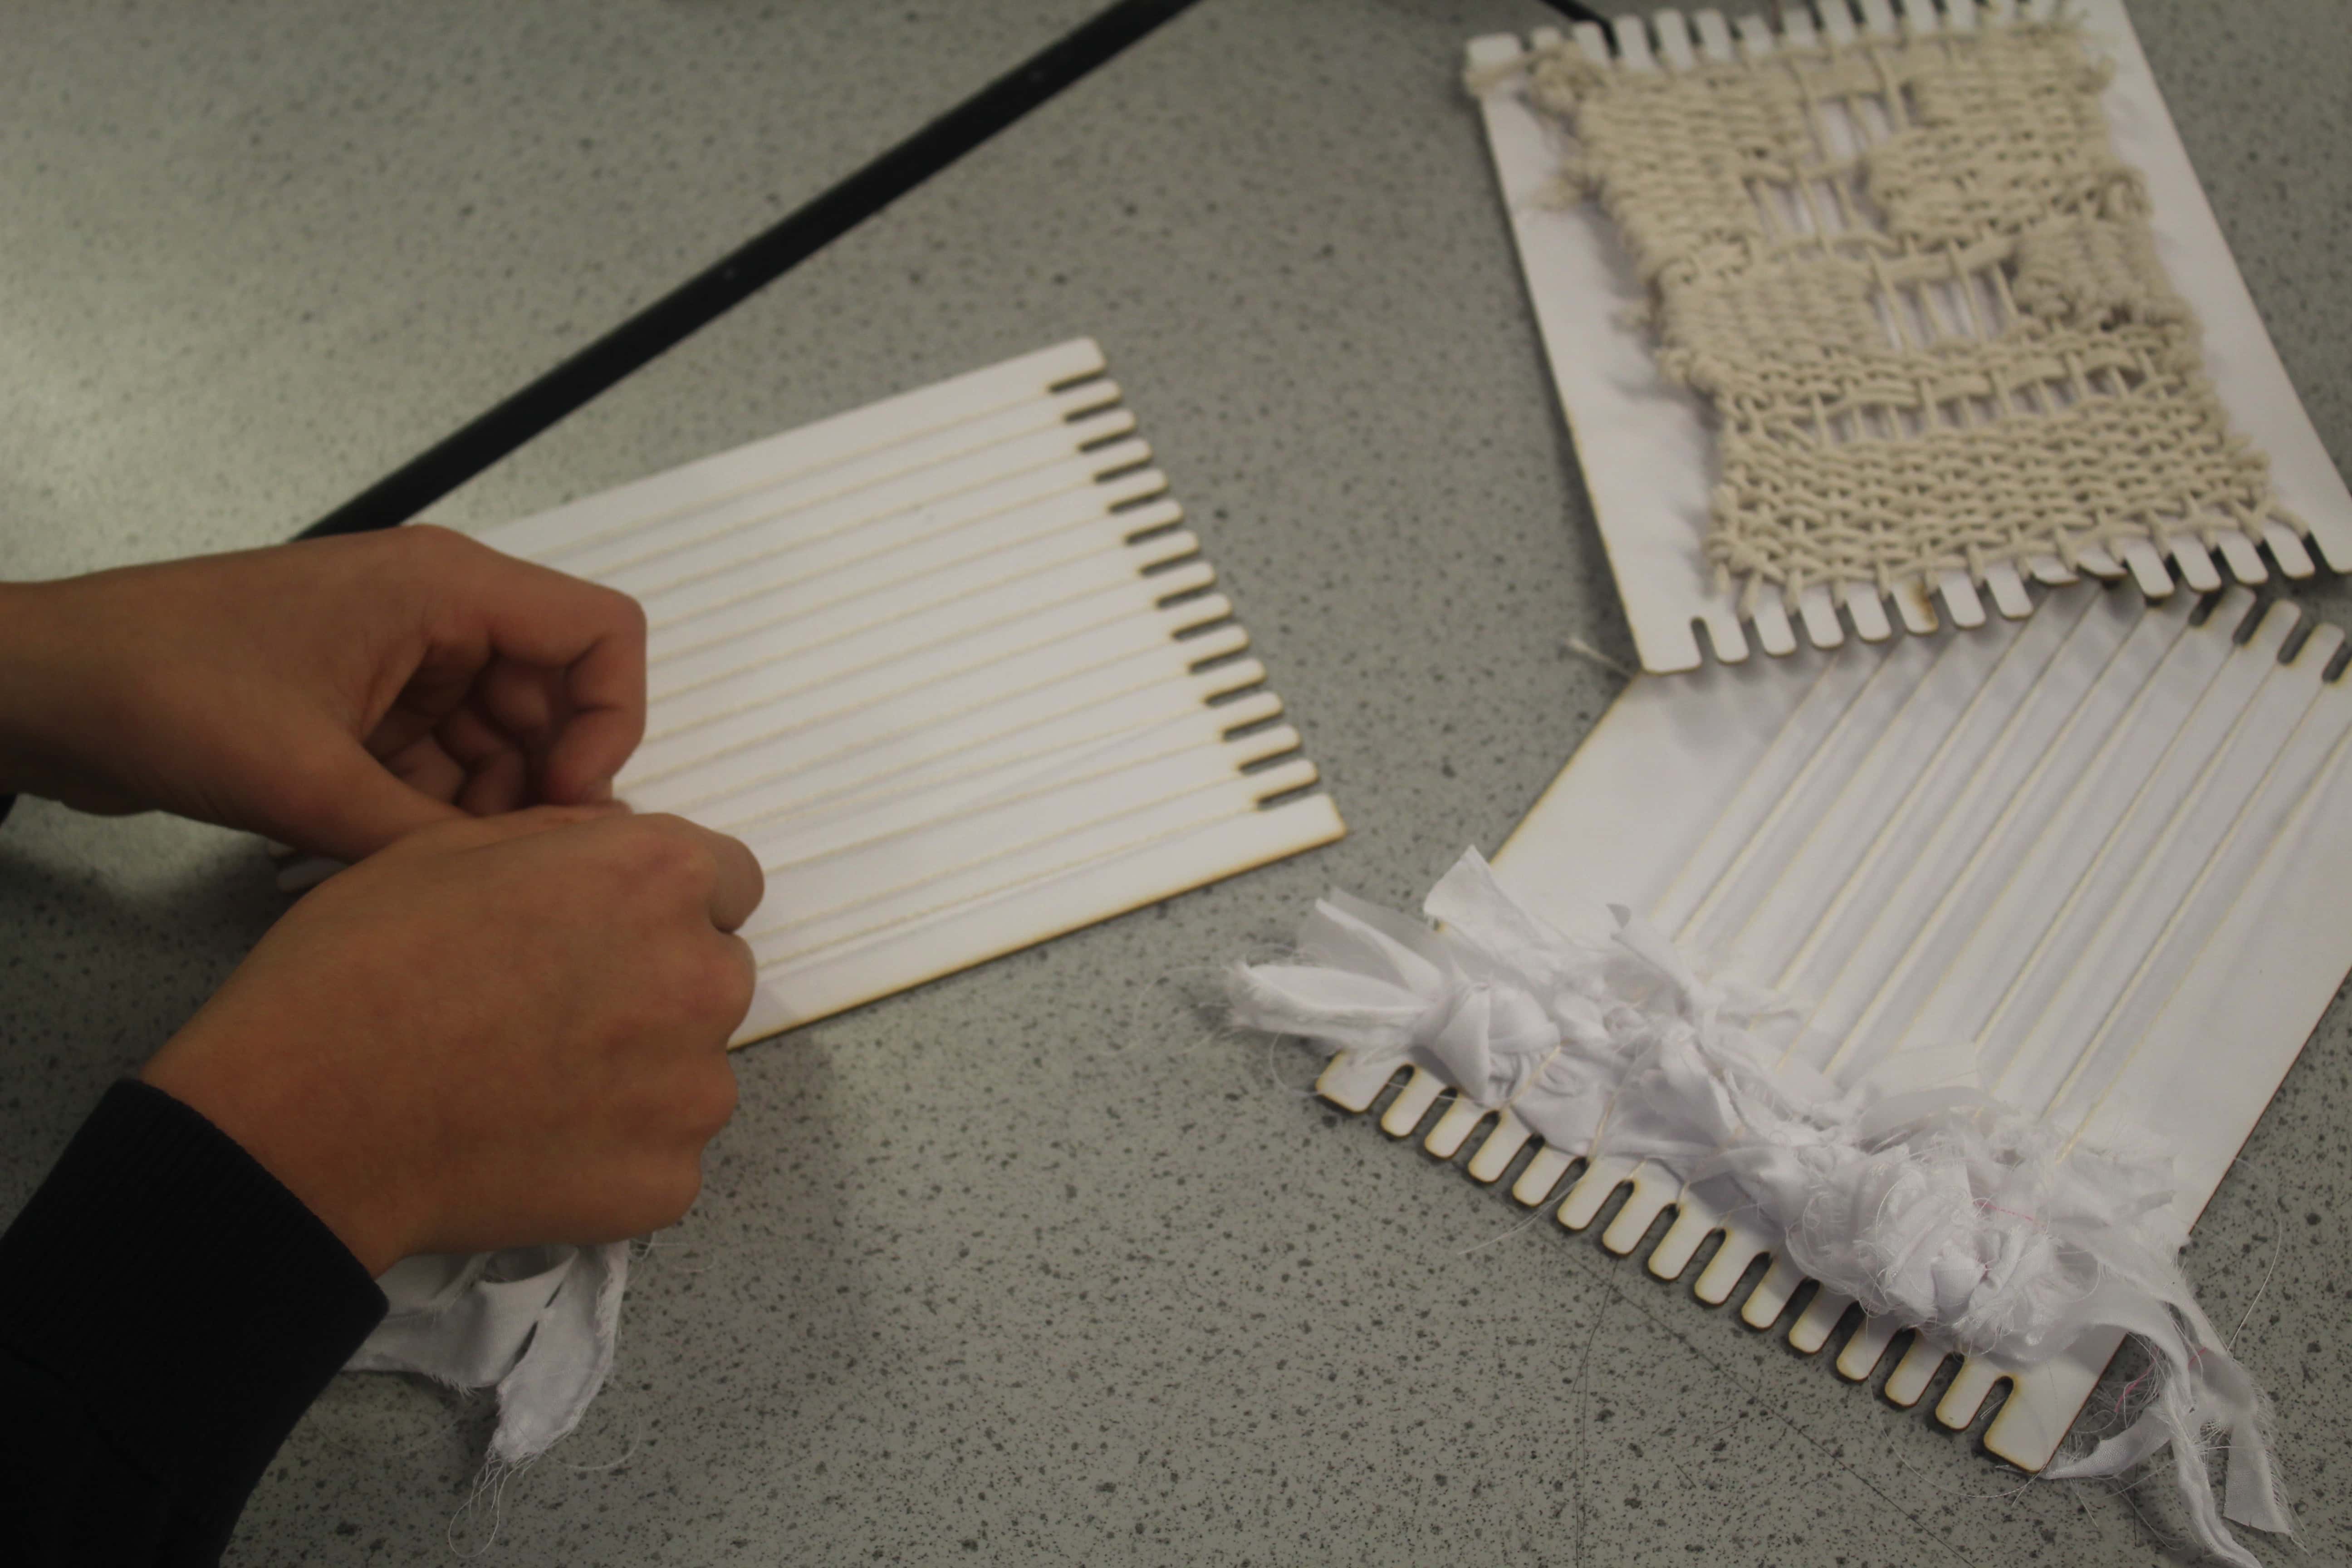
(1920, 290)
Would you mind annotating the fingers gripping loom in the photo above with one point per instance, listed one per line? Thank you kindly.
(526, 685)
(711, 876)
(736, 882)
(491, 1030)
(334, 695)
(572, 662)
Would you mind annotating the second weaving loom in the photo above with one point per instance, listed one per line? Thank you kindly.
(1950, 346)
(1894, 308)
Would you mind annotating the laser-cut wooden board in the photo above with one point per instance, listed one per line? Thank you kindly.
(1647, 457)
(952, 668)
(2108, 843)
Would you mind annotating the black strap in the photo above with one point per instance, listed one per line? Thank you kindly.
(703, 298)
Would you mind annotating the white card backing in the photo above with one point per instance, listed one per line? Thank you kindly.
(952, 668)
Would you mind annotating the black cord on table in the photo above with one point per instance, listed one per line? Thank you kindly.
(701, 300)
(1576, 13)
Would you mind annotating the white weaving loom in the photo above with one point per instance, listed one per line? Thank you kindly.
(2107, 843)
(1644, 441)
(951, 668)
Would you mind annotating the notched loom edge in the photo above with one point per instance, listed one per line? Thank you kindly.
(1968, 1395)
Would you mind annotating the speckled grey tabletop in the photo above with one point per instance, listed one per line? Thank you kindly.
(1033, 1264)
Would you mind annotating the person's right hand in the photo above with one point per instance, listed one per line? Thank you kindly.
(498, 1031)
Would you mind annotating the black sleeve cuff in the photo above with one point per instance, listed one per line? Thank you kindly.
(196, 1304)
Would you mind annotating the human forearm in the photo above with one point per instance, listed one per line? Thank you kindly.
(167, 1309)
(28, 672)
(494, 1033)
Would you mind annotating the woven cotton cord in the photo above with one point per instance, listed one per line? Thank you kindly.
(1937, 1207)
(1939, 339)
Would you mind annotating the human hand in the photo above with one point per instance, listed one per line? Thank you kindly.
(496, 1032)
(333, 694)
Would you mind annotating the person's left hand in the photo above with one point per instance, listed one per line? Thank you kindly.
(333, 694)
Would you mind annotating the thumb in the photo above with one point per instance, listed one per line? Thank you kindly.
(347, 805)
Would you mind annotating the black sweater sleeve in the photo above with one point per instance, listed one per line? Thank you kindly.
(167, 1312)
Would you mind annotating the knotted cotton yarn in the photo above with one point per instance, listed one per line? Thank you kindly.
(1942, 341)
(1928, 1203)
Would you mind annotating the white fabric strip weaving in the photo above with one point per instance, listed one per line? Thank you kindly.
(1911, 1191)
(2089, 863)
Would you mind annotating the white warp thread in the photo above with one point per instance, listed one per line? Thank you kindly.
(539, 1322)
(1933, 1206)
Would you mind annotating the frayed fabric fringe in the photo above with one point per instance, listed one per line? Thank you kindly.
(1910, 1190)
(539, 1323)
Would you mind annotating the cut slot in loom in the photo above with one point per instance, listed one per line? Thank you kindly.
(952, 668)
(1965, 319)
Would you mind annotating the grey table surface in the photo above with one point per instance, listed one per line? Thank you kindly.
(1036, 1263)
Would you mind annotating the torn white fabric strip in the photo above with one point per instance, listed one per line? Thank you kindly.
(1921, 1196)
(539, 1323)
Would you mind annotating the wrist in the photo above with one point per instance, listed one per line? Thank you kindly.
(305, 1132)
(32, 655)
(19, 671)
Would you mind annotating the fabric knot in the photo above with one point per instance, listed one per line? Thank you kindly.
(1490, 1040)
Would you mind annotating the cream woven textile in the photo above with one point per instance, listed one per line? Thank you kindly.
(1919, 288)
